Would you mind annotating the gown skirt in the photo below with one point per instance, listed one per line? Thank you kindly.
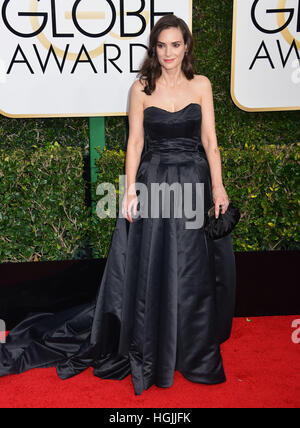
(167, 295)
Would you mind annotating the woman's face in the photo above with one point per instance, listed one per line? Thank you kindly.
(170, 48)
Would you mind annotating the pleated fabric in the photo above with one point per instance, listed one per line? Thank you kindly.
(167, 295)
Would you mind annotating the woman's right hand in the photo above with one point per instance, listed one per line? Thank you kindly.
(129, 205)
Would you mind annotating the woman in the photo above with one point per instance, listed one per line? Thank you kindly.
(166, 297)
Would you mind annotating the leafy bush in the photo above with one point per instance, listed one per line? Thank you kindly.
(42, 213)
(264, 182)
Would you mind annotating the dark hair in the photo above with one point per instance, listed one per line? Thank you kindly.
(151, 68)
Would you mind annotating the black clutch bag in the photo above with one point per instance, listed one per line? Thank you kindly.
(223, 225)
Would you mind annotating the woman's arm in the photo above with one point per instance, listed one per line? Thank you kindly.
(209, 141)
(134, 150)
(136, 133)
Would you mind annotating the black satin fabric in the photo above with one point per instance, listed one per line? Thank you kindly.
(166, 299)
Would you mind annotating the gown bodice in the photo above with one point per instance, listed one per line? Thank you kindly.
(170, 131)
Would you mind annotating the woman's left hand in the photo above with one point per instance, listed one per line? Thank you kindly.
(220, 198)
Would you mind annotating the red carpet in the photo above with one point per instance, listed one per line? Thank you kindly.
(261, 362)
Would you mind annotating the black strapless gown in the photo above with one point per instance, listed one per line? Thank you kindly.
(166, 299)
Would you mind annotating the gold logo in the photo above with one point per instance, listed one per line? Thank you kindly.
(281, 21)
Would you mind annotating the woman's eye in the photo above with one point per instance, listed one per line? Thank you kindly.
(176, 45)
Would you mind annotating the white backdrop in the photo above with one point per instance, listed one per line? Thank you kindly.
(265, 72)
(78, 31)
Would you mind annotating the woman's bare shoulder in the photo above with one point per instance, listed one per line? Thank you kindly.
(202, 80)
(137, 97)
(202, 86)
(138, 85)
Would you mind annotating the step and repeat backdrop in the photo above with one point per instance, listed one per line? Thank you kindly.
(75, 58)
(79, 58)
(265, 73)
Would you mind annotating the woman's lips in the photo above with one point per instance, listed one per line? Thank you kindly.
(169, 60)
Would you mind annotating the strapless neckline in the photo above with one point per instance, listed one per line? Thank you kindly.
(173, 112)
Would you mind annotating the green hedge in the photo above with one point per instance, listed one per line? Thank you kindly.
(42, 213)
(110, 165)
(264, 183)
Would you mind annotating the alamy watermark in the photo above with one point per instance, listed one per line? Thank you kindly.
(160, 196)
(296, 333)
(295, 76)
(2, 331)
